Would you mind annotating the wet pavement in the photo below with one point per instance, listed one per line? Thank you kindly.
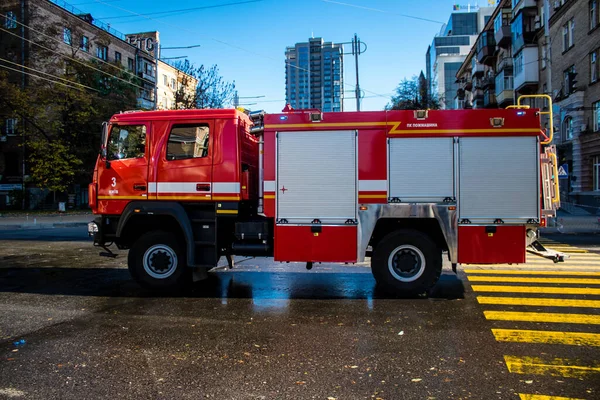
(259, 331)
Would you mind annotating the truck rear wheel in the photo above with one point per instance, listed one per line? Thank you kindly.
(406, 262)
(156, 261)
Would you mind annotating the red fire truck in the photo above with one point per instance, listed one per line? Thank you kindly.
(181, 189)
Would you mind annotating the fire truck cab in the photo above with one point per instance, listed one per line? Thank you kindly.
(181, 189)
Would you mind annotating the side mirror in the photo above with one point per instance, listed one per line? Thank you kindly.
(104, 140)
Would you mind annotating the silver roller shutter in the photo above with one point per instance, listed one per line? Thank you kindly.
(316, 176)
(499, 178)
(421, 169)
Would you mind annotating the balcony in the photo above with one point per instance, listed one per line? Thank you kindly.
(147, 77)
(503, 36)
(489, 99)
(505, 63)
(145, 104)
(526, 69)
(478, 70)
(478, 99)
(486, 46)
(504, 89)
(488, 82)
(524, 30)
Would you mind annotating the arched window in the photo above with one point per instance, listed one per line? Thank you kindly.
(567, 128)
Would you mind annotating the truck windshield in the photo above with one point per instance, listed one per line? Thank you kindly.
(126, 141)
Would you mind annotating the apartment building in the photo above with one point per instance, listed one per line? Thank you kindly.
(574, 32)
(172, 80)
(37, 36)
(314, 75)
(448, 50)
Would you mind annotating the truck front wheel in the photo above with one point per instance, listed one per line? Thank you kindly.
(156, 261)
(406, 262)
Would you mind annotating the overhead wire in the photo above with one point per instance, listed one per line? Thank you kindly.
(76, 60)
(47, 74)
(181, 11)
(40, 77)
(104, 2)
(70, 45)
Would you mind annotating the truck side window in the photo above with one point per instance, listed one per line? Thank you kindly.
(188, 141)
(126, 141)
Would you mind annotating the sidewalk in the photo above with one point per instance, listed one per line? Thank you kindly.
(44, 221)
(573, 224)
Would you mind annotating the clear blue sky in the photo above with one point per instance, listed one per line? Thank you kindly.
(248, 41)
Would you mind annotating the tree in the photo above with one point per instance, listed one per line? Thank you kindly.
(211, 91)
(413, 95)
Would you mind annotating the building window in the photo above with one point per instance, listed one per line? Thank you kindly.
(118, 57)
(594, 65)
(518, 63)
(67, 38)
(10, 22)
(567, 129)
(148, 70)
(11, 126)
(596, 116)
(173, 84)
(188, 141)
(593, 14)
(596, 172)
(102, 52)
(85, 43)
(130, 64)
(568, 31)
(165, 80)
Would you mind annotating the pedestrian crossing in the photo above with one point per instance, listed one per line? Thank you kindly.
(541, 303)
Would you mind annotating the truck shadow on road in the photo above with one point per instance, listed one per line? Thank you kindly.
(116, 282)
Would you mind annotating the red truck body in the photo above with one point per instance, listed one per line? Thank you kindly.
(400, 186)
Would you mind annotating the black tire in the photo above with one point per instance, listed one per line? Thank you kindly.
(406, 262)
(157, 261)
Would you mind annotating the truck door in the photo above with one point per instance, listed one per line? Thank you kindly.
(185, 164)
(124, 176)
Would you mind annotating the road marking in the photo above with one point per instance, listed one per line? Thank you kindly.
(556, 367)
(518, 279)
(542, 302)
(525, 272)
(523, 396)
(547, 337)
(534, 289)
(558, 318)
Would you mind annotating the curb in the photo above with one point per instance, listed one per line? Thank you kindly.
(31, 226)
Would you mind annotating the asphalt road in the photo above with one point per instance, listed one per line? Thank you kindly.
(277, 331)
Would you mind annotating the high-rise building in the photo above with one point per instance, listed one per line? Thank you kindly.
(314, 75)
(448, 50)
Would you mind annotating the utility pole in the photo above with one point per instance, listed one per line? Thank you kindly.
(356, 51)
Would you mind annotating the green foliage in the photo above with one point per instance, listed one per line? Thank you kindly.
(62, 125)
(52, 165)
(212, 91)
(412, 95)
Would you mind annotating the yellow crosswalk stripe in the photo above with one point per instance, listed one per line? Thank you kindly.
(528, 272)
(555, 367)
(543, 317)
(523, 396)
(534, 289)
(547, 337)
(518, 279)
(544, 267)
(541, 302)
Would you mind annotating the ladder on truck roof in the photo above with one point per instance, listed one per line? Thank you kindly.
(549, 178)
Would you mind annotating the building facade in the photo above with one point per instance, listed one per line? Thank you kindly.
(448, 50)
(173, 87)
(314, 75)
(37, 38)
(545, 47)
(574, 45)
